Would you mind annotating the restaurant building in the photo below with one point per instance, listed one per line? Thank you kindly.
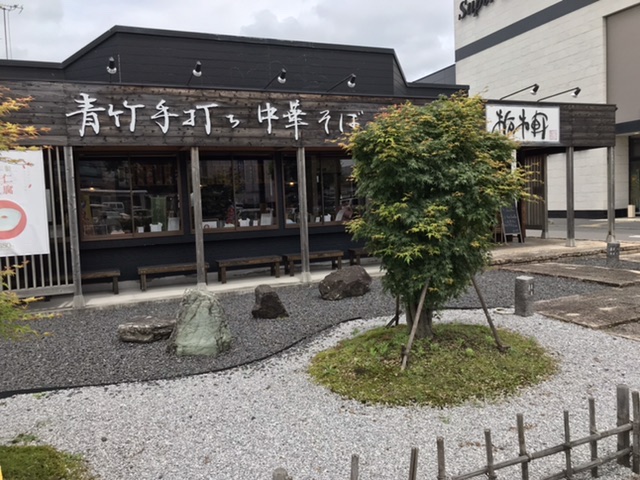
(173, 147)
(570, 51)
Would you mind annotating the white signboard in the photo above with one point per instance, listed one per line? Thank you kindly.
(525, 124)
(23, 208)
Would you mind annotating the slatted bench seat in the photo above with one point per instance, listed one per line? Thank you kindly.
(272, 260)
(167, 269)
(290, 259)
(355, 254)
(112, 274)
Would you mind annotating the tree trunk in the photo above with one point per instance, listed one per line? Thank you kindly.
(425, 325)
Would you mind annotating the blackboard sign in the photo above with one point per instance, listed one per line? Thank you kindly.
(510, 221)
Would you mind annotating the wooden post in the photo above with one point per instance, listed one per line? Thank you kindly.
(413, 466)
(623, 419)
(491, 474)
(636, 432)
(355, 469)
(567, 447)
(304, 215)
(522, 446)
(593, 445)
(197, 217)
(442, 470)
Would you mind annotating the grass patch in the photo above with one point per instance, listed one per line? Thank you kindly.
(460, 364)
(41, 462)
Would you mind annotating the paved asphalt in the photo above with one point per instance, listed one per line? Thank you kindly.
(625, 229)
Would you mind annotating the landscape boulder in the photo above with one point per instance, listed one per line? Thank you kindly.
(351, 281)
(146, 329)
(268, 303)
(201, 327)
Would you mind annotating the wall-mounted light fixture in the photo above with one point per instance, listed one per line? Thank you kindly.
(350, 79)
(534, 89)
(111, 66)
(575, 91)
(196, 72)
(281, 77)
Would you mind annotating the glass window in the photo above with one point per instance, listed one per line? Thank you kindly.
(238, 192)
(128, 196)
(330, 189)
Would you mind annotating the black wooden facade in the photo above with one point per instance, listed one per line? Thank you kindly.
(153, 104)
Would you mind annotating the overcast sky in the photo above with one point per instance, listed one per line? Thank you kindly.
(420, 31)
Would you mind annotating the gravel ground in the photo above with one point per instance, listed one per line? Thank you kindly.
(81, 347)
(243, 422)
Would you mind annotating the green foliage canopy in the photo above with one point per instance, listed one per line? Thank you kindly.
(434, 180)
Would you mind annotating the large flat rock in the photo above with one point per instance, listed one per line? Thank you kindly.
(614, 277)
(605, 309)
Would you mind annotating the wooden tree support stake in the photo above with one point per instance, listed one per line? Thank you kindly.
(414, 328)
(501, 347)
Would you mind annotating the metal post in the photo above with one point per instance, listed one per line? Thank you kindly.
(304, 216)
(571, 226)
(74, 235)
(611, 194)
(545, 200)
(197, 218)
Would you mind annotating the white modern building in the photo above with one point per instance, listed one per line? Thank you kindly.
(565, 47)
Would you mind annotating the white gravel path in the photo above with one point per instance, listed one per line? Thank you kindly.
(245, 422)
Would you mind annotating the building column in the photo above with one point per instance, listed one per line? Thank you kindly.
(74, 233)
(196, 198)
(611, 194)
(304, 215)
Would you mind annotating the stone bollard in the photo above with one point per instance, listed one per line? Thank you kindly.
(524, 296)
(613, 254)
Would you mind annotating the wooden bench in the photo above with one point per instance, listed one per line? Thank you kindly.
(272, 260)
(291, 258)
(112, 274)
(355, 254)
(167, 269)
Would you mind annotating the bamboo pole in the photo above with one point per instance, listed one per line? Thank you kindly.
(522, 450)
(355, 468)
(442, 471)
(413, 466)
(567, 446)
(623, 419)
(636, 433)
(491, 473)
(593, 445)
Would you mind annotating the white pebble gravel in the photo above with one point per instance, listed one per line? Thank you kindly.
(245, 422)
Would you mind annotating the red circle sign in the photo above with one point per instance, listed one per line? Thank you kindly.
(13, 219)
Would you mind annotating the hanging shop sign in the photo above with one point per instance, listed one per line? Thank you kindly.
(525, 124)
(23, 209)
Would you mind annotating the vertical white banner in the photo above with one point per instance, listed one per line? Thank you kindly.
(23, 207)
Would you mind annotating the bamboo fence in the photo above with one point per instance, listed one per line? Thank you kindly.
(627, 452)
